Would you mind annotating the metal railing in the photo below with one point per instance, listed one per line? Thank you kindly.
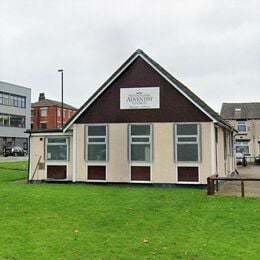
(213, 183)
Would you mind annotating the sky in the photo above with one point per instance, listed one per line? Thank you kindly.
(212, 46)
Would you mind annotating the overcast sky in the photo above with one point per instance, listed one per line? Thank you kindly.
(212, 46)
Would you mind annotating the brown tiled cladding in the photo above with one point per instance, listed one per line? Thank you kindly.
(56, 171)
(96, 172)
(188, 174)
(140, 173)
(174, 107)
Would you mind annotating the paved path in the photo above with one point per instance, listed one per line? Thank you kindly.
(13, 159)
(252, 188)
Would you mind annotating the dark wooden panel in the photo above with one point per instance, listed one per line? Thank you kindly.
(140, 173)
(57, 171)
(189, 174)
(174, 107)
(96, 172)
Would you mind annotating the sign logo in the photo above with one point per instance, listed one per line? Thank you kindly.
(140, 98)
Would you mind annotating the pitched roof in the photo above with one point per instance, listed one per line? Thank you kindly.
(49, 102)
(173, 81)
(240, 110)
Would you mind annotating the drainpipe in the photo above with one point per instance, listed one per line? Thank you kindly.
(29, 156)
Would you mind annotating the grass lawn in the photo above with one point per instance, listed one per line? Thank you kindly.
(66, 221)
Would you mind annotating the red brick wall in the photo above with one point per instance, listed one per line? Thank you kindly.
(52, 119)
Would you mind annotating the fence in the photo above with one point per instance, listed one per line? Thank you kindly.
(213, 183)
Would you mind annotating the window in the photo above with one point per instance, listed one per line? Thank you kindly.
(43, 111)
(1, 119)
(12, 120)
(17, 121)
(57, 149)
(96, 142)
(58, 112)
(32, 112)
(241, 126)
(140, 143)
(64, 112)
(12, 100)
(242, 146)
(6, 99)
(187, 142)
(23, 102)
(43, 125)
(6, 120)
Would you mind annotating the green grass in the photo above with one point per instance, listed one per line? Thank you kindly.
(63, 221)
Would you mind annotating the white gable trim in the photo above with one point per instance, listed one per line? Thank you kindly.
(99, 93)
(118, 74)
(183, 93)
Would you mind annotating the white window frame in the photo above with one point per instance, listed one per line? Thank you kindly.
(43, 109)
(242, 143)
(54, 162)
(150, 142)
(187, 142)
(242, 123)
(87, 142)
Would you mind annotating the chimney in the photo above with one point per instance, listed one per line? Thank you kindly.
(41, 97)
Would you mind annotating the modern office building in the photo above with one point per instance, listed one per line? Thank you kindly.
(15, 107)
(46, 113)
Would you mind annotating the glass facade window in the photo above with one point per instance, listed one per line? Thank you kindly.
(12, 100)
(17, 121)
(96, 142)
(187, 142)
(57, 149)
(12, 120)
(140, 140)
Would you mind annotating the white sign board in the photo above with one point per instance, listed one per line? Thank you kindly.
(140, 98)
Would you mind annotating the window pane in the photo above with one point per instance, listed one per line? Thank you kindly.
(44, 112)
(57, 152)
(56, 140)
(17, 121)
(241, 128)
(187, 139)
(140, 130)
(187, 129)
(1, 119)
(97, 140)
(97, 130)
(187, 152)
(97, 152)
(140, 152)
(6, 120)
(140, 139)
(43, 125)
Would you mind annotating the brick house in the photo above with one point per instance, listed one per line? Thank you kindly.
(245, 117)
(46, 113)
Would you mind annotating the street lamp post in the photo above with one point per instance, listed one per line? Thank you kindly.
(61, 70)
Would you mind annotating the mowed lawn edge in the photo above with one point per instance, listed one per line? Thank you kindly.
(66, 221)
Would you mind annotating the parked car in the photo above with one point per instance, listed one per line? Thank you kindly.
(14, 151)
(257, 159)
(241, 159)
